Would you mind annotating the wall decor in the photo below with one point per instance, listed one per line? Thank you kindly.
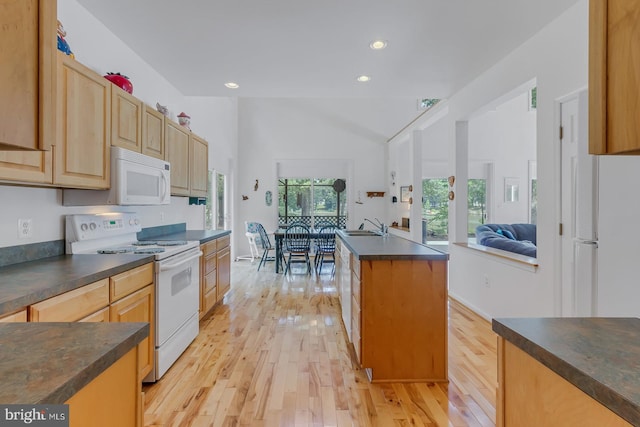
(268, 198)
(405, 194)
(511, 190)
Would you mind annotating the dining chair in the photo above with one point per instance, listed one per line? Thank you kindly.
(266, 245)
(325, 246)
(297, 244)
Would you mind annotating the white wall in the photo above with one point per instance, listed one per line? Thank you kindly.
(99, 49)
(557, 58)
(286, 130)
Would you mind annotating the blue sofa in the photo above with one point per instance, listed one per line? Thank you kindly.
(518, 238)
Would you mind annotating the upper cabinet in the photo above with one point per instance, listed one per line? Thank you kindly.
(126, 120)
(81, 151)
(176, 143)
(614, 67)
(27, 75)
(198, 166)
(152, 132)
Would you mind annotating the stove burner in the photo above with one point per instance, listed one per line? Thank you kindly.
(122, 250)
(171, 242)
(146, 243)
(148, 250)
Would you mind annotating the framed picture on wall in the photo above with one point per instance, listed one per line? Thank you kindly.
(405, 193)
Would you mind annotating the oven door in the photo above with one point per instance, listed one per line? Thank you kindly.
(177, 292)
(140, 184)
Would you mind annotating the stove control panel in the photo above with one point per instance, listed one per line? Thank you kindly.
(85, 227)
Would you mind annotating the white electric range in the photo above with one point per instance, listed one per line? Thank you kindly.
(177, 276)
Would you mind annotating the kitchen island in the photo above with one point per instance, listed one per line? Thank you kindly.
(568, 372)
(393, 294)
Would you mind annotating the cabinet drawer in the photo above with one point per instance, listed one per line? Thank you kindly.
(72, 305)
(355, 314)
(209, 247)
(355, 265)
(210, 281)
(98, 316)
(20, 316)
(223, 242)
(130, 281)
(210, 263)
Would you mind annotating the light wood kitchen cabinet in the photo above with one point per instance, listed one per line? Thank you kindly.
(224, 271)
(614, 89)
(110, 399)
(356, 311)
(152, 132)
(73, 305)
(126, 120)
(99, 316)
(27, 76)
(19, 316)
(132, 295)
(26, 166)
(208, 276)
(530, 394)
(198, 166)
(215, 272)
(176, 140)
(343, 283)
(81, 150)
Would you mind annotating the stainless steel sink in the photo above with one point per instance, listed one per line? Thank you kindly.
(360, 233)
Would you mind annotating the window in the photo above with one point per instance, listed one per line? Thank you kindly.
(435, 210)
(214, 212)
(312, 201)
(477, 204)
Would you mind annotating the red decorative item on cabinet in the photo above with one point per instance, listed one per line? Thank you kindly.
(121, 81)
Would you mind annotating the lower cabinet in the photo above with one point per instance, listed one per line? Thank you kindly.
(19, 316)
(125, 297)
(111, 399)
(530, 394)
(215, 272)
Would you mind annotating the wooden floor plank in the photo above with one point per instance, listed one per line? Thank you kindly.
(275, 353)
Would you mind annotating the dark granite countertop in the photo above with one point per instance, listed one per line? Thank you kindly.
(389, 247)
(600, 356)
(30, 282)
(47, 363)
(201, 235)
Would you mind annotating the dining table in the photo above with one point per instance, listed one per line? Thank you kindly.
(278, 236)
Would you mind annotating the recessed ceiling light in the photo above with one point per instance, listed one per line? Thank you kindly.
(378, 44)
(232, 85)
(363, 78)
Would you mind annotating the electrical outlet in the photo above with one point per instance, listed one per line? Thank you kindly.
(485, 281)
(25, 228)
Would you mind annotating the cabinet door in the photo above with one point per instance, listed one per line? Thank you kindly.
(81, 154)
(198, 166)
(152, 133)
(98, 316)
(26, 166)
(27, 75)
(139, 307)
(176, 140)
(224, 272)
(126, 120)
(613, 69)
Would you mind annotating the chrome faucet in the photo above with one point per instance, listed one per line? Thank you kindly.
(383, 229)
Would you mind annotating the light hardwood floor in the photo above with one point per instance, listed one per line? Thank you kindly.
(274, 354)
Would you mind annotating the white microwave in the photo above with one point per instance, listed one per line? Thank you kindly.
(136, 179)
